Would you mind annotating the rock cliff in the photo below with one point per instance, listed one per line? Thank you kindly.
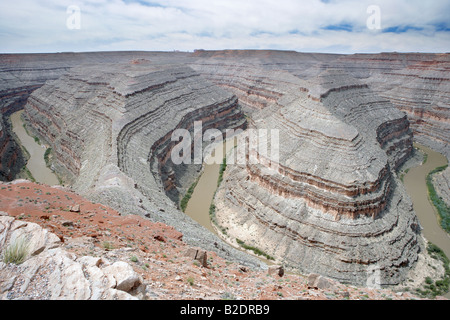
(110, 128)
(346, 123)
(333, 202)
(11, 158)
(76, 249)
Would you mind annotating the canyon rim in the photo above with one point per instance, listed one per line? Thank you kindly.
(333, 205)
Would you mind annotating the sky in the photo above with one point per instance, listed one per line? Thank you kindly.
(330, 26)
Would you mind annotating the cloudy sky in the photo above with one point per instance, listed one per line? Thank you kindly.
(340, 26)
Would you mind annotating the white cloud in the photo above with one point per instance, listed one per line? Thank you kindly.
(31, 26)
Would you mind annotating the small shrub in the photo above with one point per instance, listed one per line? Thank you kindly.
(108, 245)
(188, 195)
(228, 296)
(441, 206)
(223, 166)
(16, 252)
(134, 259)
(257, 251)
(190, 280)
(47, 155)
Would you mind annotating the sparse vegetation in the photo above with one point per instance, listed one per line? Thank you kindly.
(212, 207)
(36, 139)
(16, 252)
(222, 168)
(402, 174)
(228, 296)
(28, 174)
(212, 217)
(257, 251)
(442, 207)
(431, 289)
(47, 156)
(190, 280)
(188, 195)
(108, 245)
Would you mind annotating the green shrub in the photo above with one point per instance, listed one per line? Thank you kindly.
(46, 156)
(188, 195)
(432, 288)
(441, 206)
(257, 251)
(222, 168)
(17, 251)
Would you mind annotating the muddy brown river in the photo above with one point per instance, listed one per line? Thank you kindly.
(36, 163)
(414, 181)
(198, 206)
(416, 187)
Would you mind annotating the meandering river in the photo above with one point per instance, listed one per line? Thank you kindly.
(415, 183)
(198, 206)
(36, 163)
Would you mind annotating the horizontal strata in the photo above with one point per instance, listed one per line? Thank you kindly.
(133, 112)
(11, 158)
(332, 204)
(110, 130)
(415, 83)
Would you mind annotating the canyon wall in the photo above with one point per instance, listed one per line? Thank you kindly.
(332, 203)
(11, 158)
(110, 128)
(346, 122)
(416, 83)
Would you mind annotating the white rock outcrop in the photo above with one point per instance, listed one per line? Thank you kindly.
(51, 272)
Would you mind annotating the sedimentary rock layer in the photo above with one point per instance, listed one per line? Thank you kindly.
(110, 129)
(419, 85)
(332, 206)
(332, 203)
(11, 158)
(415, 83)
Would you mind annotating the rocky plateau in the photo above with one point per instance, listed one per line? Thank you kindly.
(332, 205)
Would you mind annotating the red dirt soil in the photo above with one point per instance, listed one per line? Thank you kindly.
(156, 251)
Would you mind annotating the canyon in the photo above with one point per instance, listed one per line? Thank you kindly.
(333, 203)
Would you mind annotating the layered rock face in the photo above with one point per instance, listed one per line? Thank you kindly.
(20, 75)
(110, 127)
(332, 204)
(11, 159)
(419, 85)
(415, 83)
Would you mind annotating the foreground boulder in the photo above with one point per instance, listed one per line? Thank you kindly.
(51, 272)
(316, 281)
